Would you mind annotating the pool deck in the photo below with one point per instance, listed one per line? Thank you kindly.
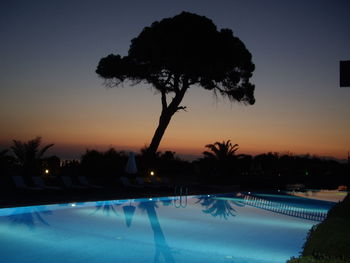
(21, 197)
(13, 197)
(324, 195)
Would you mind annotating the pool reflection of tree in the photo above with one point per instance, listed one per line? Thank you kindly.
(107, 207)
(219, 207)
(162, 247)
(167, 201)
(29, 218)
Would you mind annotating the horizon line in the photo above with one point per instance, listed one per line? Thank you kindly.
(71, 151)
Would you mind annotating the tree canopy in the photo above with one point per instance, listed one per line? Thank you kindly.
(29, 154)
(179, 52)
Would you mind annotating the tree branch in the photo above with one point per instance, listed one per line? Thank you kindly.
(217, 87)
(182, 108)
(174, 105)
(164, 102)
(191, 82)
(176, 83)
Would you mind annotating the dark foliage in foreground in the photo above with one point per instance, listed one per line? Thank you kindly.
(329, 242)
(317, 259)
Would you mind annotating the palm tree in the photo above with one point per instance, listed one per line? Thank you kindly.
(221, 207)
(222, 155)
(221, 151)
(29, 155)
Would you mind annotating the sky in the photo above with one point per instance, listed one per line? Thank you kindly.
(49, 51)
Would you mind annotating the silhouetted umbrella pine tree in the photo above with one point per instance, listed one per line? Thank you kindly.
(180, 52)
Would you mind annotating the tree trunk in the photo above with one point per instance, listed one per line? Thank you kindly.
(164, 120)
(167, 112)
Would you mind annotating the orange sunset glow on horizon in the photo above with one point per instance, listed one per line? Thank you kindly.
(205, 122)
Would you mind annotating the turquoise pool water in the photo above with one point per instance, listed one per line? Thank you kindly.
(236, 228)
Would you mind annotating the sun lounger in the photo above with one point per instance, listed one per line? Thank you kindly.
(141, 181)
(67, 181)
(20, 184)
(84, 182)
(39, 182)
(125, 181)
(164, 182)
(154, 180)
(295, 187)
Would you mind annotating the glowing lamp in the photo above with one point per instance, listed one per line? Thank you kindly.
(151, 173)
(46, 171)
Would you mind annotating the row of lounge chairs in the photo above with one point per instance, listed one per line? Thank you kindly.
(67, 183)
(39, 183)
(141, 183)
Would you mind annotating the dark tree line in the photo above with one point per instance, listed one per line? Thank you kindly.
(272, 169)
(221, 164)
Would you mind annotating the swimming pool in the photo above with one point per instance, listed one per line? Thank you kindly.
(236, 228)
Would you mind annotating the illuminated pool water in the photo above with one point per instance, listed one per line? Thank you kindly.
(236, 228)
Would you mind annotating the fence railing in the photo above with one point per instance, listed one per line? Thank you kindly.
(285, 208)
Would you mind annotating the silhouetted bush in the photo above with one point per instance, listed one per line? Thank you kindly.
(70, 168)
(52, 164)
(320, 259)
(7, 163)
(330, 240)
(106, 165)
(163, 164)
